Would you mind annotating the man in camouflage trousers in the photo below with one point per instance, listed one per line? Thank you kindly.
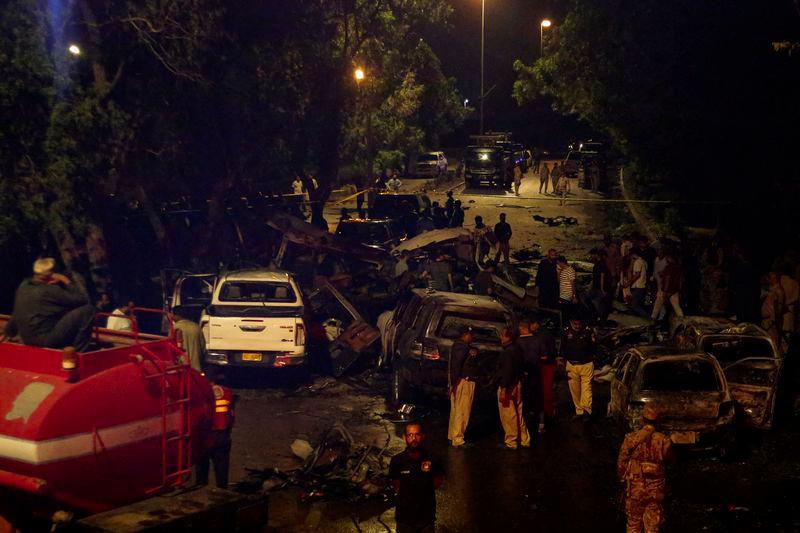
(641, 466)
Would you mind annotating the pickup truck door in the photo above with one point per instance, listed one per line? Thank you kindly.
(191, 291)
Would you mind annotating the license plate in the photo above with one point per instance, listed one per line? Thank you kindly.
(683, 437)
(252, 356)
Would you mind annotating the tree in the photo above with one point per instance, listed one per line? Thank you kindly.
(688, 89)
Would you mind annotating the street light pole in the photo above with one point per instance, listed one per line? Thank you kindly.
(545, 23)
(483, 25)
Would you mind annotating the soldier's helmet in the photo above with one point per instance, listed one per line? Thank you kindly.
(650, 413)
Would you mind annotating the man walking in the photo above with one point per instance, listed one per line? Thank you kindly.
(578, 347)
(415, 475)
(50, 310)
(670, 282)
(509, 394)
(517, 178)
(547, 280)
(641, 466)
(502, 232)
(464, 372)
(544, 177)
(562, 188)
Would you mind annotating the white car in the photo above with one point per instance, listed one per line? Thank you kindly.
(431, 164)
(255, 319)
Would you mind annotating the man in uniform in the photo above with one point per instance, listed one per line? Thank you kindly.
(464, 372)
(415, 475)
(50, 310)
(194, 344)
(219, 451)
(577, 349)
(509, 394)
(641, 466)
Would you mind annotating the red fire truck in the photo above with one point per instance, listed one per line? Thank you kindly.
(90, 432)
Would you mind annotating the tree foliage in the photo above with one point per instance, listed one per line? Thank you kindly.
(691, 90)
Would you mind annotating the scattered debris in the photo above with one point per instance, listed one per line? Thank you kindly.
(302, 449)
(560, 220)
(528, 254)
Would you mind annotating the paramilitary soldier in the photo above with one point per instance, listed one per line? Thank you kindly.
(641, 466)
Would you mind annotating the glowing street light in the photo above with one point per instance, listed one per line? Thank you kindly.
(359, 74)
(543, 25)
(466, 102)
(74, 49)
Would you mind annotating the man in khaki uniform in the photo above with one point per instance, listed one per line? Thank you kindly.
(641, 466)
(193, 342)
(464, 372)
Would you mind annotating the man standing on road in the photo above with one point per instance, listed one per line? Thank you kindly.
(547, 280)
(517, 178)
(544, 177)
(416, 475)
(578, 347)
(567, 292)
(509, 394)
(537, 351)
(457, 218)
(555, 175)
(502, 232)
(670, 283)
(464, 372)
(194, 344)
(641, 466)
(562, 188)
(50, 310)
(638, 283)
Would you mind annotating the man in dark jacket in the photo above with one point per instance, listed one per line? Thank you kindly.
(538, 353)
(547, 280)
(416, 475)
(509, 394)
(502, 232)
(50, 310)
(464, 373)
(578, 347)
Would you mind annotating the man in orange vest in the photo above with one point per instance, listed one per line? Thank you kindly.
(220, 436)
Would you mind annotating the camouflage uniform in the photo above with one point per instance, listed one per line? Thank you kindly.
(641, 467)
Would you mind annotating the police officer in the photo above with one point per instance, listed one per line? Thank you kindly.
(641, 466)
(509, 394)
(578, 347)
(464, 372)
(220, 439)
(416, 475)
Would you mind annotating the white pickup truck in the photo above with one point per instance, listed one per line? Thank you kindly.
(255, 319)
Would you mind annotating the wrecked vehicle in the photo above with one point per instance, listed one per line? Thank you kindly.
(339, 328)
(255, 319)
(372, 232)
(416, 337)
(752, 363)
(695, 405)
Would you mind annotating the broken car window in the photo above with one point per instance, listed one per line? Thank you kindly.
(680, 375)
(728, 349)
(256, 291)
(484, 329)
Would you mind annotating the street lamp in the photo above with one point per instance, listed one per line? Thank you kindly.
(359, 75)
(543, 25)
(483, 26)
(74, 49)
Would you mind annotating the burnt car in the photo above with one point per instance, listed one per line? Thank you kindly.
(689, 389)
(418, 335)
(372, 232)
(752, 363)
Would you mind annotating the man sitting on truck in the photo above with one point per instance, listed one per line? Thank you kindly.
(50, 310)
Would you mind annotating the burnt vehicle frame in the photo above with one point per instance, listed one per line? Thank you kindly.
(689, 389)
(752, 364)
(418, 335)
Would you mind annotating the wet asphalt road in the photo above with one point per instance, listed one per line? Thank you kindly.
(566, 482)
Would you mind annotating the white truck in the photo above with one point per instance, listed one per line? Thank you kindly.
(255, 318)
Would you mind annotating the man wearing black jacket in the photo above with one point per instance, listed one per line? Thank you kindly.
(464, 372)
(50, 310)
(509, 394)
(547, 280)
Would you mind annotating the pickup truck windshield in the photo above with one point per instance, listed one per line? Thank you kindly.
(680, 375)
(256, 292)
